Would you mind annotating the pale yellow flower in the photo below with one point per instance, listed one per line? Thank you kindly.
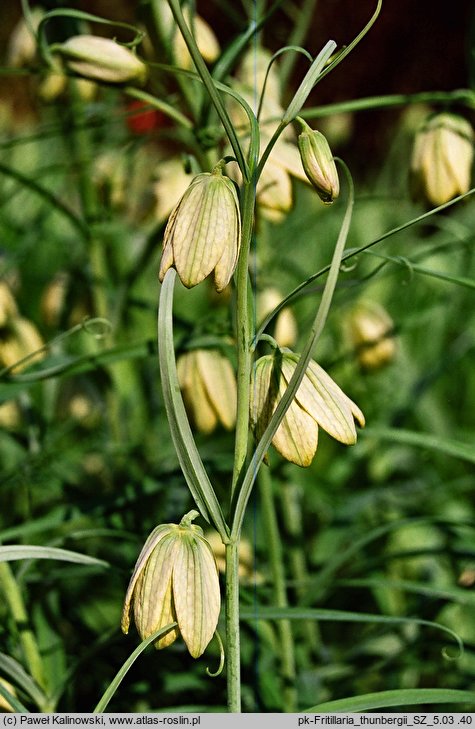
(371, 333)
(101, 59)
(209, 390)
(175, 580)
(203, 233)
(442, 157)
(319, 402)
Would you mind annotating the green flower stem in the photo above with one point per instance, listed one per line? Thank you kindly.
(276, 558)
(19, 613)
(244, 334)
(284, 403)
(233, 643)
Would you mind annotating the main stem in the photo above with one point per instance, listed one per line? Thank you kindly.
(233, 643)
(244, 362)
(243, 333)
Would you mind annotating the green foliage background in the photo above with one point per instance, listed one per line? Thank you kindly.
(384, 528)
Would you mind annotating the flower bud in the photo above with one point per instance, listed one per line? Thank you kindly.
(318, 402)
(371, 333)
(203, 232)
(208, 384)
(175, 580)
(102, 59)
(442, 159)
(318, 163)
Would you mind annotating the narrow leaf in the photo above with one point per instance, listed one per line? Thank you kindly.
(396, 697)
(185, 446)
(261, 612)
(15, 671)
(464, 451)
(19, 551)
(120, 675)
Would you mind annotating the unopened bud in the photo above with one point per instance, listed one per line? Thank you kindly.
(318, 163)
(102, 59)
(442, 159)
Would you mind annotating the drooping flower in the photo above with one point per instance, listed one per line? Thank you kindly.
(175, 580)
(442, 159)
(203, 232)
(319, 402)
(208, 385)
(371, 333)
(101, 59)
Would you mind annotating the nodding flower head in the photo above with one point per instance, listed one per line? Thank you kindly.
(101, 59)
(175, 580)
(208, 385)
(442, 158)
(203, 232)
(371, 333)
(319, 402)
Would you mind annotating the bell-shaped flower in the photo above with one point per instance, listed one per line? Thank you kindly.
(175, 580)
(208, 384)
(206, 41)
(101, 59)
(442, 159)
(371, 333)
(203, 232)
(319, 402)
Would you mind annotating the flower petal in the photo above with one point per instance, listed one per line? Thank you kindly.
(153, 539)
(326, 402)
(296, 438)
(153, 604)
(219, 381)
(196, 593)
